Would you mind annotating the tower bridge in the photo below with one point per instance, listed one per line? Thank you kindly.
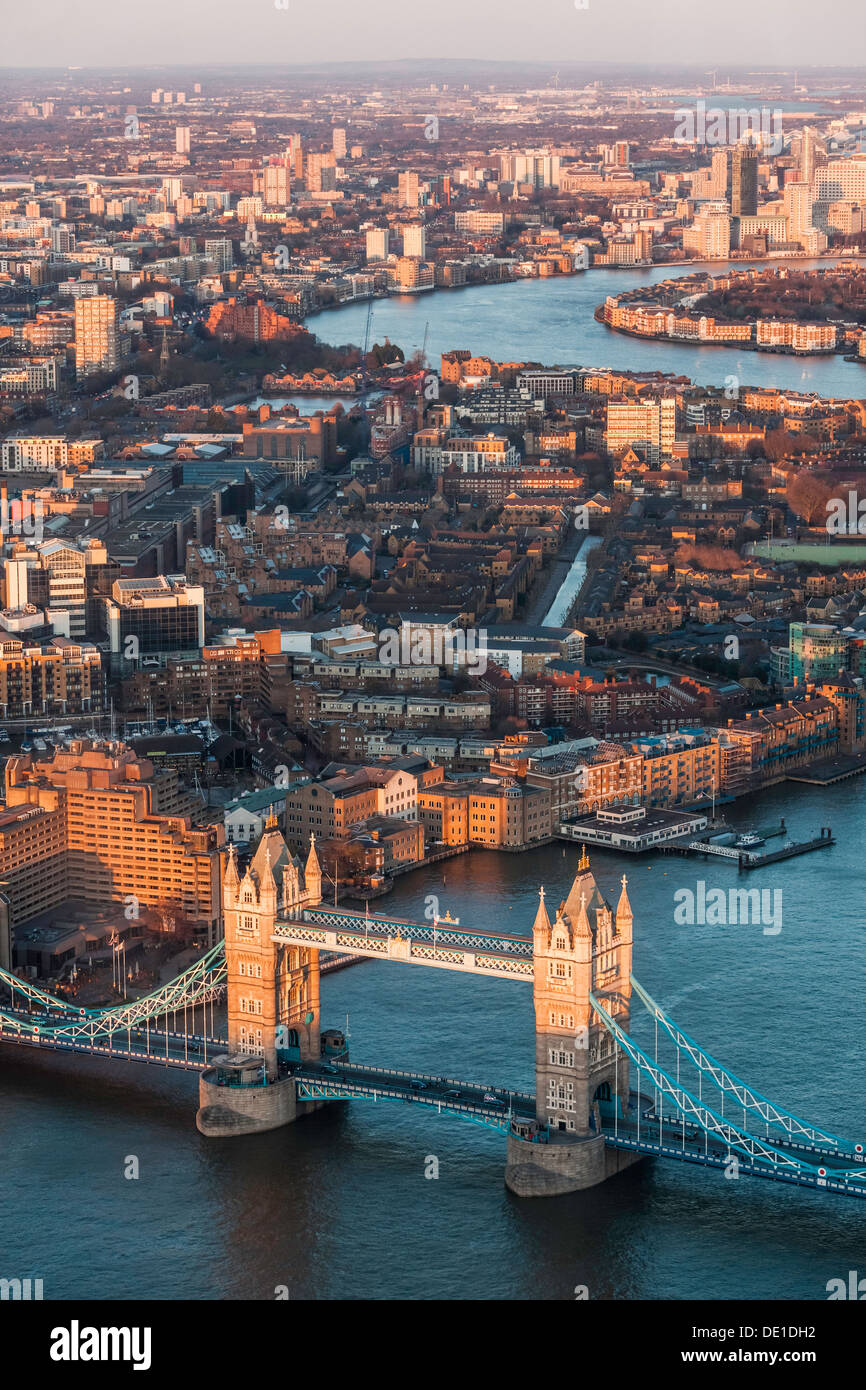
(603, 1099)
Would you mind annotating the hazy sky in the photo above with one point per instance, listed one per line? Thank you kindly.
(763, 33)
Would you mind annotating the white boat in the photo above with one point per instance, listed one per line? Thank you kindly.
(749, 841)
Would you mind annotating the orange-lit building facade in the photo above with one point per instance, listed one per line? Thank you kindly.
(505, 813)
(249, 665)
(122, 830)
(56, 677)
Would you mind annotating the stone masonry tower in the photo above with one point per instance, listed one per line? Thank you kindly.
(587, 948)
(270, 986)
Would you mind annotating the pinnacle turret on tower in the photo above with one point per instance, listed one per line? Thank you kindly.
(313, 874)
(231, 881)
(624, 914)
(542, 921)
(581, 926)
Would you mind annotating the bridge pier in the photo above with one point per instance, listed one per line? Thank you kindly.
(563, 1165)
(550, 1170)
(227, 1111)
(236, 1097)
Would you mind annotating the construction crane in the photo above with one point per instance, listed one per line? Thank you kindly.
(367, 329)
(365, 377)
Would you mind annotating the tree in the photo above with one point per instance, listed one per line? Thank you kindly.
(384, 354)
(342, 860)
(174, 921)
(807, 494)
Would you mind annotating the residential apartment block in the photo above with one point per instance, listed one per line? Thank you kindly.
(57, 677)
(125, 836)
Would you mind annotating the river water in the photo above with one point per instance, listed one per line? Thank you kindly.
(337, 1205)
(551, 321)
(557, 613)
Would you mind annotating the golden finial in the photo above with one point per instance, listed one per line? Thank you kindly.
(271, 822)
(584, 860)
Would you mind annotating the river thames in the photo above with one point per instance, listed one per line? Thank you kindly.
(551, 321)
(337, 1205)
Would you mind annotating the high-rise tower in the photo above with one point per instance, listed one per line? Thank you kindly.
(808, 143)
(744, 182)
(97, 338)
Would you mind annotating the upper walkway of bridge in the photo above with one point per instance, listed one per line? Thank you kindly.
(441, 942)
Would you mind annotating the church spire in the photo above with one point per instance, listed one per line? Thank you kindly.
(251, 238)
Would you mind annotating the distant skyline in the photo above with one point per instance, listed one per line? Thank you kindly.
(99, 33)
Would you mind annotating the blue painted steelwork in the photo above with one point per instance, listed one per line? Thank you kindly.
(314, 1086)
(201, 983)
(336, 919)
(726, 1082)
(774, 1159)
(799, 1178)
(190, 1051)
(29, 991)
(312, 1090)
(452, 1081)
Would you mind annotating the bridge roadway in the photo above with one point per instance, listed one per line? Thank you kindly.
(493, 1106)
(675, 1138)
(689, 1143)
(191, 1052)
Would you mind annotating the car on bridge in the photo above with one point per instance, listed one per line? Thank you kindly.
(419, 1085)
(490, 1099)
(454, 1095)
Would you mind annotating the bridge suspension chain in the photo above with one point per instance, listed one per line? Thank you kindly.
(714, 1125)
(197, 985)
(28, 990)
(728, 1083)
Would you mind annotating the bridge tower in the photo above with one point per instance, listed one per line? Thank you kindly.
(579, 1077)
(273, 992)
(270, 986)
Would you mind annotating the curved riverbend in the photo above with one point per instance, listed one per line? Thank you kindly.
(552, 321)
